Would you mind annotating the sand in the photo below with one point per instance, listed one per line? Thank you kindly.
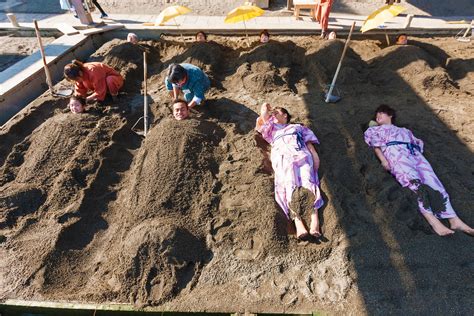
(186, 219)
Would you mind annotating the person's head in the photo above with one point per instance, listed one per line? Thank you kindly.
(281, 115)
(73, 71)
(132, 38)
(180, 110)
(402, 39)
(264, 36)
(177, 74)
(332, 35)
(77, 104)
(201, 36)
(385, 115)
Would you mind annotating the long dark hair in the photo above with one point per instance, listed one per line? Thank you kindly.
(72, 70)
(285, 111)
(383, 108)
(81, 100)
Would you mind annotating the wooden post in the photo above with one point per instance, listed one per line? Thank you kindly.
(289, 4)
(45, 65)
(145, 96)
(13, 20)
(408, 20)
(82, 14)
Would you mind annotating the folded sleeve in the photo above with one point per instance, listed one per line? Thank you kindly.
(373, 137)
(80, 89)
(308, 135)
(267, 130)
(100, 87)
(169, 85)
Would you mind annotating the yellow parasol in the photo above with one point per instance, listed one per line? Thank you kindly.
(381, 16)
(170, 13)
(242, 14)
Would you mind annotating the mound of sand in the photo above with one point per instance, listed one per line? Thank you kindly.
(186, 219)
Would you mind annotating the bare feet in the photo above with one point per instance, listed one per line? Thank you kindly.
(457, 224)
(301, 232)
(437, 226)
(314, 227)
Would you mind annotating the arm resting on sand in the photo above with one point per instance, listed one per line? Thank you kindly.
(315, 156)
(383, 160)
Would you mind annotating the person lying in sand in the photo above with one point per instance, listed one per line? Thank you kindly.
(77, 104)
(400, 153)
(188, 79)
(132, 38)
(96, 77)
(180, 110)
(294, 161)
(200, 37)
(264, 36)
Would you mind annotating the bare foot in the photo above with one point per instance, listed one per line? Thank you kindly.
(301, 232)
(314, 227)
(437, 226)
(457, 224)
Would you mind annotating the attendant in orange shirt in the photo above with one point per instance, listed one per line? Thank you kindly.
(96, 77)
(322, 15)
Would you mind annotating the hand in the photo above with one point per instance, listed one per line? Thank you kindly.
(91, 99)
(386, 165)
(316, 165)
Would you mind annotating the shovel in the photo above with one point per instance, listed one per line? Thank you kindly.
(145, 104)
(329, 98)
(61, 92)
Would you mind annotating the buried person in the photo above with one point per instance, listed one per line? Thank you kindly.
(180, 110)
(295, 163)
(96, 77)
(264, 36)
(188, 79)
(200, 37)
(401, 153)
(77, 104)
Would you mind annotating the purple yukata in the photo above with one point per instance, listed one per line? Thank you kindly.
(292, 161)
(403, 152)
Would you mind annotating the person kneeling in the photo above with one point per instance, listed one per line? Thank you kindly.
(188, 79)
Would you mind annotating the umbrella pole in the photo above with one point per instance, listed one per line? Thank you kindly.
(246, 35)
(333, 83)
(386, 37)
(176, 23)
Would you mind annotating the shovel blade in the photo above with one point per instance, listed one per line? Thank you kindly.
(332, 98)
(63, 92)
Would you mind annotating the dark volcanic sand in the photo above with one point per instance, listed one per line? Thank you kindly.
(186, 219)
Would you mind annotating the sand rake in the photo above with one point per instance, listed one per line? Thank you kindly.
(329, 97)
(49, 81)
(144, 118)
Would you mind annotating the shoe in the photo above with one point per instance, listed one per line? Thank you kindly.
(104, 15)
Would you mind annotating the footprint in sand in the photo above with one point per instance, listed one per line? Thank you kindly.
(252, 253)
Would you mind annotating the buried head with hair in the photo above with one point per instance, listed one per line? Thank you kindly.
(77, 104)
(180, 110)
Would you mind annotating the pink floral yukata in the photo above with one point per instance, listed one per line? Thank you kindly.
(292, 161)
(403, 152)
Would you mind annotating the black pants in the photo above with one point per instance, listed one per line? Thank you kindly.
(97, 5)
